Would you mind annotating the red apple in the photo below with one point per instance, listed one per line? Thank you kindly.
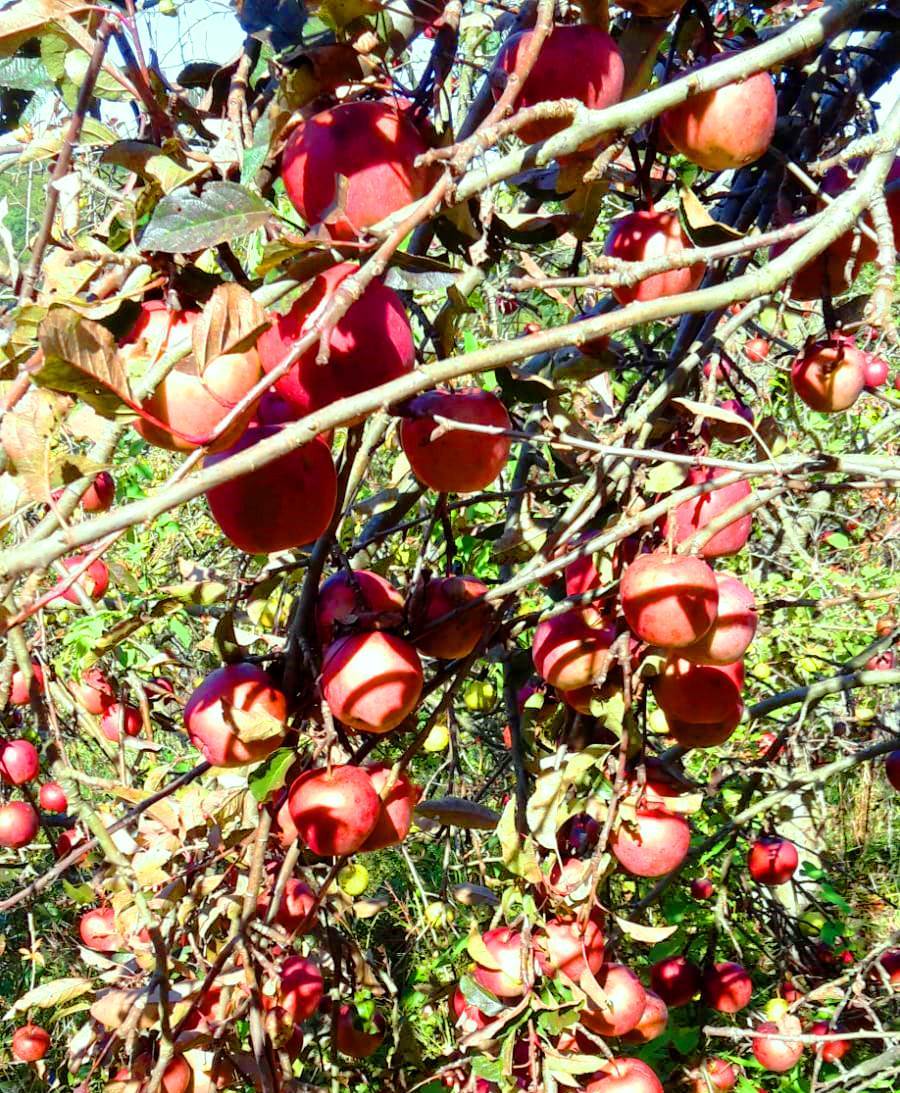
(771, 1051)
(647, 234)
(881, 662)
(20, 689)
(334, 810)
(652, 1023)
(455, 460)
(371, 147)
(396, 812)
(466, 1017)
(94, 580)
(300, 492)
(52, 797)
(727, 987)
(651, 844)
(569, 653)
(94, 693)
(756, 350)
(370, 345)
(714, 1074)
(100, 494)
(669, 600)
(19, 762)
(456, 637)
(691, 516)
(568, 948)
(117, 717)
(840, 263)
(724, 129)
(98, 931)
(300, 989)
(829, 376)
(676, 980)
(371, 681)
(624, 1075)
(575, 62)
(875, 370)
(702, 888)
(347, 595)
(892, 769)
(30, 1043)
(295, 912)
(18, 824)
(830, 1050)
(507, 950)
(731, 633)
(702, 702)
(355, 1039)
(187, 401)
(625, 1002)
(237, 715)
(772, 860)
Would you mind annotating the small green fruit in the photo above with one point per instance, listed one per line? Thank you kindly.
(354, 879)
(775, 1009)
(438, 737)
(438, 914)
(480, 696)
(812, 923)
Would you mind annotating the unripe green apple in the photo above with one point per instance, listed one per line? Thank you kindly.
(354, 879)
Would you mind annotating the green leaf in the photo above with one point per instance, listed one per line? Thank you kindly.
(22, 73)
(255, 155)
(184, 222)
(480, 998)
(517, 853)
(665, 477)
(51, 994)
(270, 777)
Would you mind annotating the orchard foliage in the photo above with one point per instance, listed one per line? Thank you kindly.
(450, 549)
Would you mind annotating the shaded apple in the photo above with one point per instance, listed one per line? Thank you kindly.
(299, 488)
(669, 600)
(334, 810)
(455, 637)
(237, 715)
(371, 147)
(396, 812)
(651, 843)
(676, 980)
(772, 860)
(117, 718)
(371, 681)
(455, 460)
(371, 344)
(569, 652)
(727, 987)
(646, 234)
(692, 516)
(346, 595)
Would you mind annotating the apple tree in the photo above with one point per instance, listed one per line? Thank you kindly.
(450, 548)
